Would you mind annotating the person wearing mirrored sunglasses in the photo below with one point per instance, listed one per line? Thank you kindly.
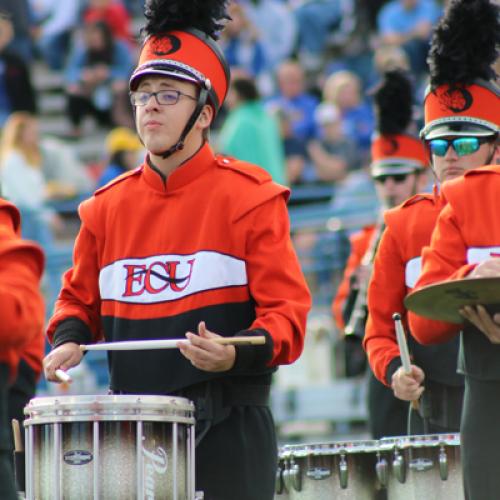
(466, 238)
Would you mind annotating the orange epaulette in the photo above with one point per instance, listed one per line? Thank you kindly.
(119, 179)
(418, 198)
(254, 172)
(487, 169)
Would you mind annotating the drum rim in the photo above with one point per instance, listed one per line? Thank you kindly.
(109, 408)
(330, 448)
(420, 441)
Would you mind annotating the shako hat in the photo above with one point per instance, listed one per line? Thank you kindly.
(463, 98)
(394, 150)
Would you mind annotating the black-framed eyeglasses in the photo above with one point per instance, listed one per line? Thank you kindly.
(461, 145)
(397, 178)
(163, 97)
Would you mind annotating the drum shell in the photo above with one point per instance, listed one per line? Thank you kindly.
(417, 465)
(87, 447)
(313, 471)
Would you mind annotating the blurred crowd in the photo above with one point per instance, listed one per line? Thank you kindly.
(299, 103)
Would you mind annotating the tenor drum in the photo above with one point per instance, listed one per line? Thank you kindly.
(337, 470)
(121, 447)
(417, 467)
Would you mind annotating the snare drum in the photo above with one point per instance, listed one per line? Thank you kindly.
(109, 447)
(340, 470)
(416, 467)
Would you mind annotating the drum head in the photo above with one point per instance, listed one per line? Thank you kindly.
(442, 301)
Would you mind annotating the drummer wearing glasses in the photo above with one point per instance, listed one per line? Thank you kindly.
(189, 244)
(466, 238)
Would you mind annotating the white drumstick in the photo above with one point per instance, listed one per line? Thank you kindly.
(403, 348)
(140, 345)
(63, 376)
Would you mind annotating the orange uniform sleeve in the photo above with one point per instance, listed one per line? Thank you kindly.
(444, 259)
(79, 296)
(386, 292)
(276, 281)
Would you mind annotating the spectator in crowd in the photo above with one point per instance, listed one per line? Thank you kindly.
(22, 178)
(19, 13)
(277, 28)
(333, 154)
(408, 24)
(241, 42)
(343, 89)
(54, 29)
(22, 313)
(114, 14)
(96, 79)
(123, 147)
(16, 89)
(250, 133)
(316, 19)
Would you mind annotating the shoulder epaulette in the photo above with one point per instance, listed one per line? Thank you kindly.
(487, 169)
(254, 172)
(418, 198)
(118, 179)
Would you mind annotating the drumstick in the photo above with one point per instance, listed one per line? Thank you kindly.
(403, 349)
(139, 345)
(63, 376)
(18, 442)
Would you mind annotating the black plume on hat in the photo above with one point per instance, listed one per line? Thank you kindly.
(170, 15)
(393, 99)
(465, 43)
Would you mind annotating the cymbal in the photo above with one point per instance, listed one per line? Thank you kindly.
(442, 301)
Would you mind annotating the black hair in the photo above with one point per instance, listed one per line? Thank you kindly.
(246, 89)
(168, 15)
(465, 43)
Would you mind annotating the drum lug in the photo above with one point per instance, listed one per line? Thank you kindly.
(381, 469)
(443, 464)
(295, 478)
(399, 467)
(291, 477)
(343, 473)
(279, 481)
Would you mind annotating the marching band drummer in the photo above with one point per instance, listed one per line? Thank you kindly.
(398, 170)
(466, 237)
(396, 268)
(21, 321)
(189, 243)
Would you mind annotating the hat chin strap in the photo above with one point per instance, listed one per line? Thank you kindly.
(179, 145)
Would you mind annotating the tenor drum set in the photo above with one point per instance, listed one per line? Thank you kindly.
(400, 468)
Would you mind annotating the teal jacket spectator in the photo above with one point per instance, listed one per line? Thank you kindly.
(250, 133)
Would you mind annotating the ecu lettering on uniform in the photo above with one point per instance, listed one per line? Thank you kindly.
(162, 278)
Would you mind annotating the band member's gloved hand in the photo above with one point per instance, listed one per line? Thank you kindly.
(482, 319)
(487, 269)
(206, 355)
(408, 386)
(63, 357)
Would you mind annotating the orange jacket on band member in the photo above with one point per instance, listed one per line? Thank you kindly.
(155, 256)
(360, 243)
(467, 233)
(22, 309)
(395, 271)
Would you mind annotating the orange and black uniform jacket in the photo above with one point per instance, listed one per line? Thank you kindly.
(22, 312)
(467, 233)
(156, 256)
(360, 243)
(395, 271)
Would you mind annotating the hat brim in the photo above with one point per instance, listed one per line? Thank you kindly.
(378, 170)
(171, 73)
(458, 129)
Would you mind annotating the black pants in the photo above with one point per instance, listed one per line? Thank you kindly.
(387, 414)
(7, 485)
(237, 458)
(80, 106)
(480, 439)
